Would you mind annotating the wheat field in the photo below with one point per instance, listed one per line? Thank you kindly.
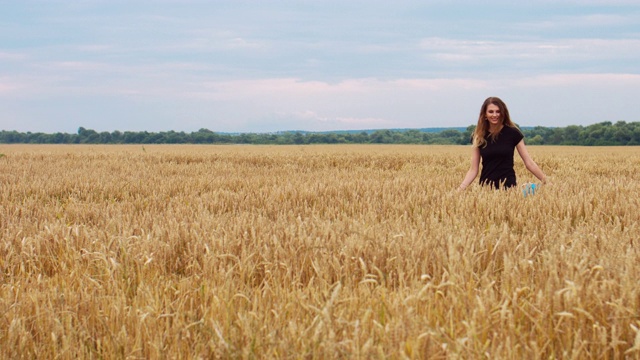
(315, 252)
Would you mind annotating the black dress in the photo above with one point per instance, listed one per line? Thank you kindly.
(497, 159)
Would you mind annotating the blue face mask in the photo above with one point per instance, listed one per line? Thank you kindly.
(529, 189)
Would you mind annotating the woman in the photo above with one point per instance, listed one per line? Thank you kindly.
(494, 140)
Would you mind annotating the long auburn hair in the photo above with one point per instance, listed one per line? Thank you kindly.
(483, 129)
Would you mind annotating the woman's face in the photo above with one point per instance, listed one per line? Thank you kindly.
(493, 115)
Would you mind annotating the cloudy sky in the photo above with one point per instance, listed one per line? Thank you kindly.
(260, 66)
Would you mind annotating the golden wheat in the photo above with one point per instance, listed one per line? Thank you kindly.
(315, 252)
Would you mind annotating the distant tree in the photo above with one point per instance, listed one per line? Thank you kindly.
(452, 136)
(11, 137)
(603, 133)
(105, 138)
(382, 137)
(116, 137)
(87, 136)
(412, 136)
(362, 137)
(571, 135)
(536, 140)
(298, 138)
(131, 137)
(466, 135)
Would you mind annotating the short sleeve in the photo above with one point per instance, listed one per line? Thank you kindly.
(517, 136)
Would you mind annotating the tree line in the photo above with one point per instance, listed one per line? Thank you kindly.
(603, 133)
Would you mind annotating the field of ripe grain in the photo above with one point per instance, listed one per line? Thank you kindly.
(315, 252)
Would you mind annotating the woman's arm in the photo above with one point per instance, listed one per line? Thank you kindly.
(473, 169)
(529, 163)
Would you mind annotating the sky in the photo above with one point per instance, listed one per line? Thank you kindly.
(314, 65)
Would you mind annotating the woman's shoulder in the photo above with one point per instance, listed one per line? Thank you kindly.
(512, 135)
(513, 130)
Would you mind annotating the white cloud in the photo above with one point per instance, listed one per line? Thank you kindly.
(579, 80)
(535, 52)
(6, 87)
(583, 21)
(312, 120)
(12, 56)
(233, 66)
